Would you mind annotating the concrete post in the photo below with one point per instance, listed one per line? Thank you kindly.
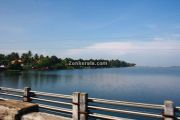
(75, 107)
(169, 113)
(26, 97)
(83, 106)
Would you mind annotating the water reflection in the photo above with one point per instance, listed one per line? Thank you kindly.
(133, 84)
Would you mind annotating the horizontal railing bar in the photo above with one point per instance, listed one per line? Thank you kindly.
(11, 94)
(51, 101)
(55, 108)
(124, 103)
(96, 115)
(53, 95)
(11, 89)
(37, 93)
(178, 108)
(62, 114)
(5, 98)
(126, 112)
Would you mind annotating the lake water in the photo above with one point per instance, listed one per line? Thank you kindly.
(139, 84)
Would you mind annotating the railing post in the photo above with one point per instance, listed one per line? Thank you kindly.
(169, 113)
(75, 107)
(83, 106)
(26, 96)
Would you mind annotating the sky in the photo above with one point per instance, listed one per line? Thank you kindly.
(145, 32)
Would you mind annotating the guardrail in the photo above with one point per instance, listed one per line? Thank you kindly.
(81, 107)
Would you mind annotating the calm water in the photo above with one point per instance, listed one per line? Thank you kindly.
(141, 84)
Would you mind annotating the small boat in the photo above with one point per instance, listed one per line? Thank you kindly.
(2, 67)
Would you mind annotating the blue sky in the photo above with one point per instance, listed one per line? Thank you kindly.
(146, 32)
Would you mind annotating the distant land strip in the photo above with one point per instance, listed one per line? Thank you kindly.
(28, 61)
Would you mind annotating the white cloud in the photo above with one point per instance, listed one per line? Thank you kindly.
(122, 48)
(154, 53)
(102, 48)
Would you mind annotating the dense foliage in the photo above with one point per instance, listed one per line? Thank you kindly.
(29, 61)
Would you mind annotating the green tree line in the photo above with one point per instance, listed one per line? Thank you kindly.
(27, 61)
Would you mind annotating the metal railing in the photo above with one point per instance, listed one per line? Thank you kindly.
(81, 107)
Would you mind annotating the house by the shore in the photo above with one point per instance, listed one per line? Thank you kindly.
(17, 62)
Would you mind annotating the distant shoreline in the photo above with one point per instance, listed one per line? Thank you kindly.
(9, 70)
(29, 61)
